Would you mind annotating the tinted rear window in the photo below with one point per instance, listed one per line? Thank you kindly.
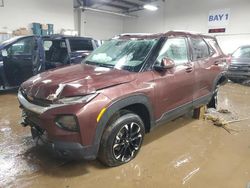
(81, 45)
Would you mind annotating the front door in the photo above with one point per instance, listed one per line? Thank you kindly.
(174, 87)
(18, 60)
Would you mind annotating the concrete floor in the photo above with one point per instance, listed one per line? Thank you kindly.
(183, 153)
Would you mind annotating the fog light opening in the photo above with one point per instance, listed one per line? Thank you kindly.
(67, 122)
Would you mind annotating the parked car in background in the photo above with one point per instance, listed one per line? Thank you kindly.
(124, 89)
(24, 57)
(239, 69)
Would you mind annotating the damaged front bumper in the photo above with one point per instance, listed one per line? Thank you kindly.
(71, 150)
(62, 149)
(32, 107)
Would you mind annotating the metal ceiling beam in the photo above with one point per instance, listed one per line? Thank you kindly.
(106, 11)
(114, 5)
(124, 2)
(128, 3)
(125, 5)
(134, 10)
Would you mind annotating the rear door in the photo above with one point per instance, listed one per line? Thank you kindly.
(174, 87)
(206, 61)
(18, 61)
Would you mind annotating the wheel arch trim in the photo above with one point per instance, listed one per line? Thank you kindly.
(217, 79)
(117, 105)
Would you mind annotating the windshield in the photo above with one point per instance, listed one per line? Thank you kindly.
(10, 40)
(122, 54)
(243, 52)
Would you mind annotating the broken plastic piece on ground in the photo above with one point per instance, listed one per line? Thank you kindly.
(224, 111)
(221, 110)
(211, 110)
(218, 120)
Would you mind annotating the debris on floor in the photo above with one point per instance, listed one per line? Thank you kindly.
(218, 119)
(224, 111)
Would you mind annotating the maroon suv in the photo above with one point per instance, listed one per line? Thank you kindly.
(132, 83)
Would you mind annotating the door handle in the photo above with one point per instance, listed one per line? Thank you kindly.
(189, 69)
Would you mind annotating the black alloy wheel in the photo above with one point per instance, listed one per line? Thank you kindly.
(127, 142)
(122, 139)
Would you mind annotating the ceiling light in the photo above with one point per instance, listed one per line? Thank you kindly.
(150, 7)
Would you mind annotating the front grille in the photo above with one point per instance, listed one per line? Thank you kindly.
(41, 102)
(31, 118)
(36, 101)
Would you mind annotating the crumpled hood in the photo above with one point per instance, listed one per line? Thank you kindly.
(73, 81)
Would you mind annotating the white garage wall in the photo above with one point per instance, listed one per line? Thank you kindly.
(193, 15)
(146, 22)
(21, 13)
(100, 25)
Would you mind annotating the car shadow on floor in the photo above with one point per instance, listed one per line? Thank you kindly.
(167, 128)
(48, 163)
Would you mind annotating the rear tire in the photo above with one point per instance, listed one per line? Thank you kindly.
(214, 100)
(237, 80)
(122, 139)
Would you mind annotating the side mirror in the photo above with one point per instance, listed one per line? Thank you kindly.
(166, 63)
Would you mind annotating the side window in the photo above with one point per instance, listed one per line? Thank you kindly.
(214, 46)
(47, 44)
(175, 49)
(200, 48)
(22, 47)
(81, 45)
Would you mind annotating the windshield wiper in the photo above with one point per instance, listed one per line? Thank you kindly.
(99, 64)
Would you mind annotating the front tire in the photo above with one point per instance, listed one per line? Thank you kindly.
(122, 139)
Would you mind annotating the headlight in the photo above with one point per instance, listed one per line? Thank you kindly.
(68, 122)
(78, 99)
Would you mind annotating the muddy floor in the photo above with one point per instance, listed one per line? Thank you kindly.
(183, 153)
